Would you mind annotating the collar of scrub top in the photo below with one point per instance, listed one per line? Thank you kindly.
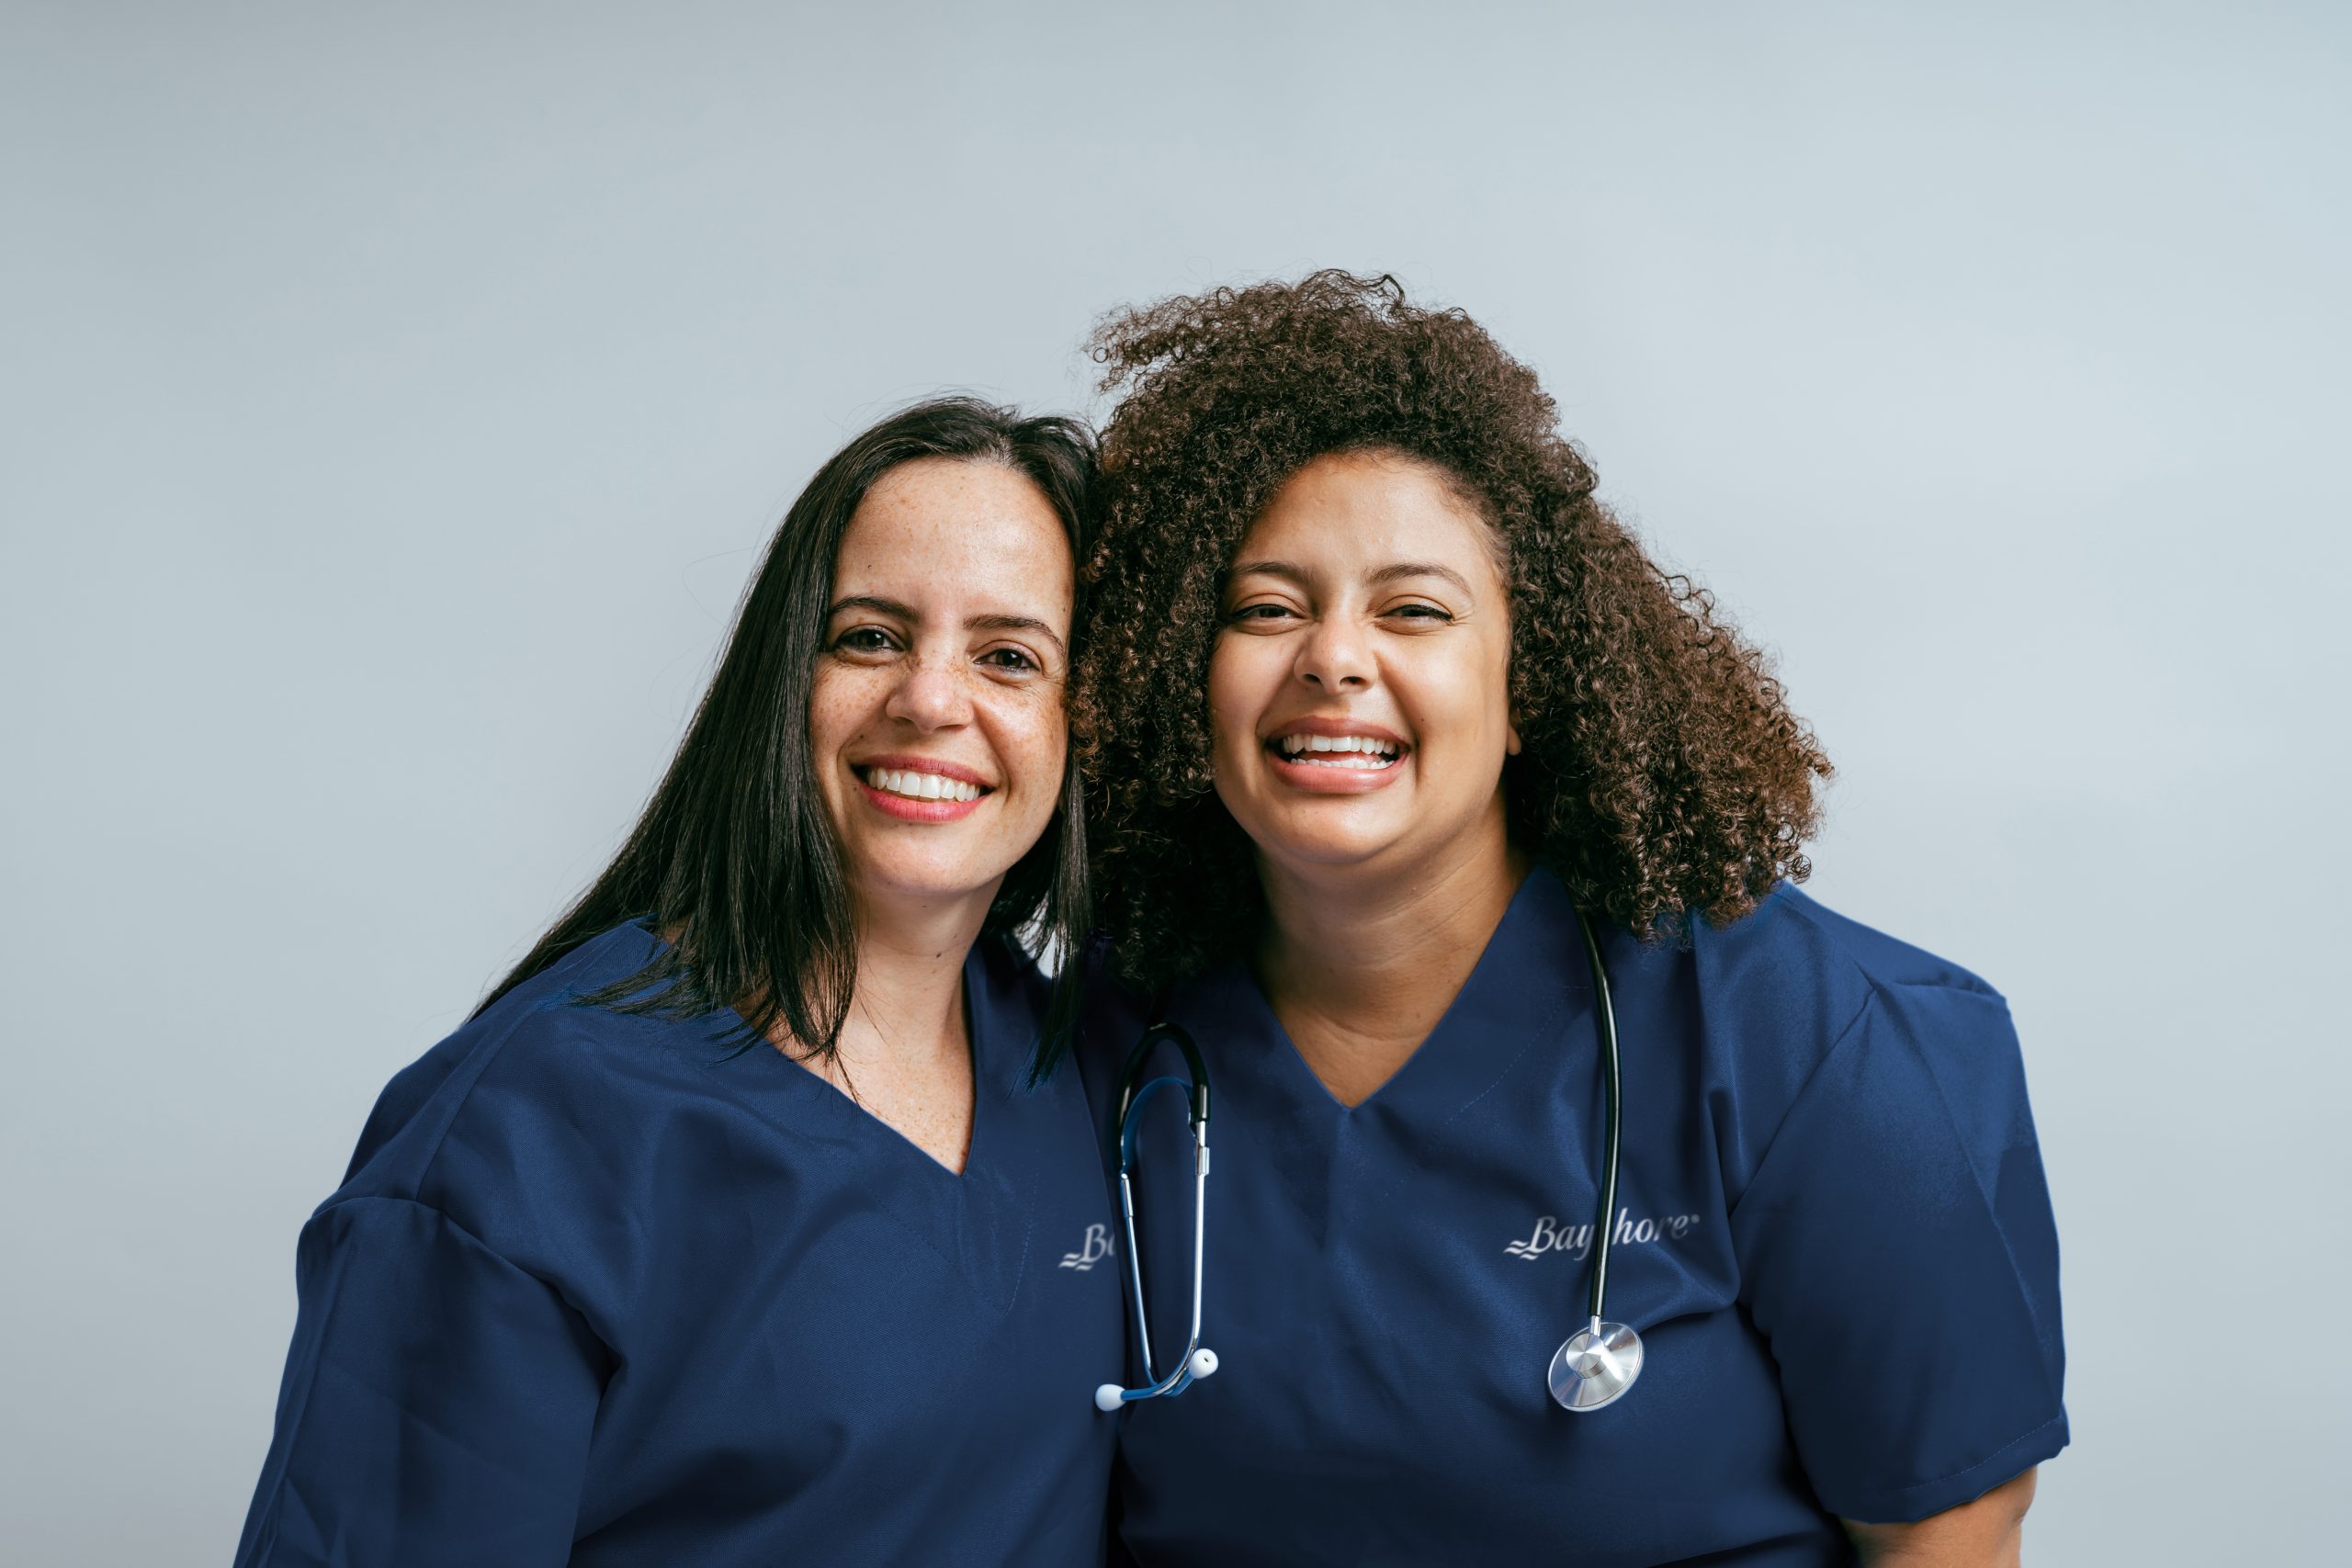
(1592, 1368)
(1196, 1360)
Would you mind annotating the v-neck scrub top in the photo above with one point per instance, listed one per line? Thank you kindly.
(1832, 1234)
(594, 1292)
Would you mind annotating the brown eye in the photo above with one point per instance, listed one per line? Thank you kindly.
(864, 639)
(1011, 659)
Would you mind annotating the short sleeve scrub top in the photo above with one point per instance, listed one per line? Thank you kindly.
(595, 1291)
(1832, 1233)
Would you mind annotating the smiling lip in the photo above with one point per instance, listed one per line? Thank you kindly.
(1322, 778)
(908, 809)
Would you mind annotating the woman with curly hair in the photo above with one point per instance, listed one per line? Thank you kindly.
(1416, 788)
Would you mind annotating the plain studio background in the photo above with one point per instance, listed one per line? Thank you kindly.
(392, 401)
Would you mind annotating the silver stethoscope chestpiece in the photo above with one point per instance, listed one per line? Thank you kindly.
(1595, 1365)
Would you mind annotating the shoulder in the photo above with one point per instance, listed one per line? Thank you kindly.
(535, 1088)
(1908, 996)
(1815, 927)
(1933, 1025)
(1799, 953)
(1779, 995)
(1011, 983)
(530, 1130)
(1111, 1018)
(1010, 996)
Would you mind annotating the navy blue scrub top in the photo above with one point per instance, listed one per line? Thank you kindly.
(592, 1294)
(1832, 1234)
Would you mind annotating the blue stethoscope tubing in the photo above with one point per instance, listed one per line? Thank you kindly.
(1591, 1369)
(1197, 1360)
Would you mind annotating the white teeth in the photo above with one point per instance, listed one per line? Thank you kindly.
(921, 786)
(1374, 753)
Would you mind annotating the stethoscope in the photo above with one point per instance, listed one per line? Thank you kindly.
(1593, 1367)
(1197, 1360)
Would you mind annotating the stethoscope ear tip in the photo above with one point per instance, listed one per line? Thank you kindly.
(1204, 1361)
(1107, 1397)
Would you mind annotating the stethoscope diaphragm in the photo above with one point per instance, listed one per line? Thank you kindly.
(1595, 1365)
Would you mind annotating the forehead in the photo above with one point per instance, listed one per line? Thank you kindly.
(945, 528)
(1366, 509)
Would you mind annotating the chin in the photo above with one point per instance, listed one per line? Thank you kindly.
(1326, 847)
(923, 877)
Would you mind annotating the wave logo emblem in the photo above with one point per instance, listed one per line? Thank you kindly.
(1097, 1247)
(1551, 1236)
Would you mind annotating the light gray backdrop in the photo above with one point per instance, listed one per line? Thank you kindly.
(392, 399)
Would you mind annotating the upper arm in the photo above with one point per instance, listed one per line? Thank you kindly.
(1897, 1253)
(436, 1405)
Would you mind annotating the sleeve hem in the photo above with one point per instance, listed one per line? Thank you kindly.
(1908, 1504)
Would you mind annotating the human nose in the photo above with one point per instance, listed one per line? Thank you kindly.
(932, 695)
(1334, 656)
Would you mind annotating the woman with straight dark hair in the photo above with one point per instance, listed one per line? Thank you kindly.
(727, 1231)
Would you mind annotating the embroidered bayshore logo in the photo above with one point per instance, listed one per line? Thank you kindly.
(1097, 1249)
(1551, 1236)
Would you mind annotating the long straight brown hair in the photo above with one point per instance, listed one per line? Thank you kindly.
(736, 853)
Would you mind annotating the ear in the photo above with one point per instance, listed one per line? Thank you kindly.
(1510, 736)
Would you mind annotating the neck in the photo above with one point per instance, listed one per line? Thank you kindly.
(905, 1052)
(1361, 962)
(907, 1008)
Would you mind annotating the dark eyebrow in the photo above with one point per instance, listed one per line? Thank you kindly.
(1298, 574)
(1282, 568)
(1014, 624)
(872, 601)
(898, 611)
(1419, 569)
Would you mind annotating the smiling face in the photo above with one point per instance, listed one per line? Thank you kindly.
(1359, 689)
(936, 720)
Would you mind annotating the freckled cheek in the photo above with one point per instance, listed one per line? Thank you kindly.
(841, 705)
(1029, 734)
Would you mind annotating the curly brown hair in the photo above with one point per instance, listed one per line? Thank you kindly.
(1661, 774)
